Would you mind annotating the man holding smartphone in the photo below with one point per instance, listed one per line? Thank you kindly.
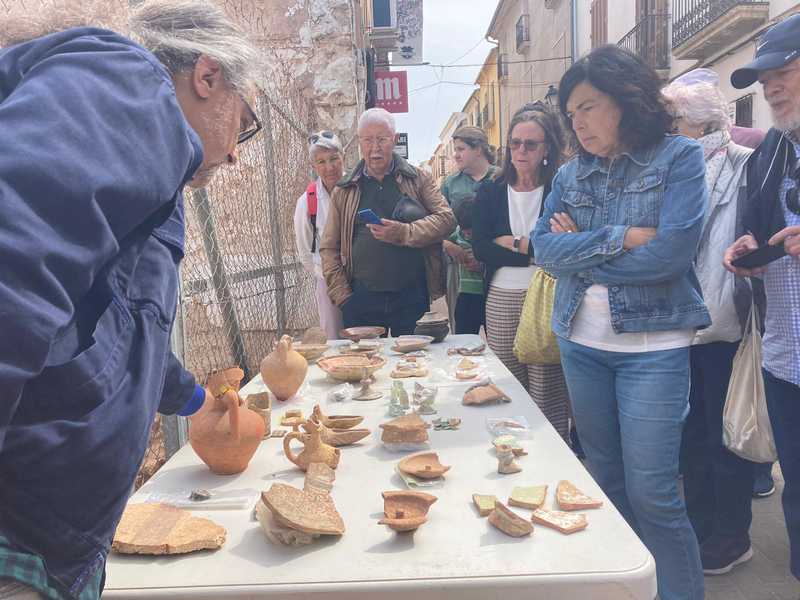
(773, 219)
(382, 246)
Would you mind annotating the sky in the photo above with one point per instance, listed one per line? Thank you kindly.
(453, 34)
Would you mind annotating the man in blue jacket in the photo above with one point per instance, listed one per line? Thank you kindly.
(98, 136)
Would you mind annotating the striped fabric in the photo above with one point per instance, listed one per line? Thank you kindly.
(545, 383)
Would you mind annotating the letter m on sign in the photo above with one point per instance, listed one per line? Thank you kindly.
(392, 91)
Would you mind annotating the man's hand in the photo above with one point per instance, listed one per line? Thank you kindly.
(744, 245)
(391, 232)
(790, 238)
(638, 236)
(454, 251)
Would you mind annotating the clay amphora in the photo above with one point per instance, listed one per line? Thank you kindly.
(227, 436)
(284, 370)
(314, 449)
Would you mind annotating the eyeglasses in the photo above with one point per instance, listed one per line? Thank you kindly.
(315, 137)
(530, 145)
(380, 141)
(253, 128)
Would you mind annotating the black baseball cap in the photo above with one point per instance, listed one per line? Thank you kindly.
(779, 46)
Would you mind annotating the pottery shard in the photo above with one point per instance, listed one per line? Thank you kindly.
(509, 522)
(571, 498)
(408, 428)
(484, 503)
(528, 497)
(319, 478)
(484, 394)
(305, 511)
(164, 529)
(277, 533)
(425, 465)
(405, 511)
(561, 521)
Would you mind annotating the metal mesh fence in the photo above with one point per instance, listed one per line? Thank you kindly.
(242, 285)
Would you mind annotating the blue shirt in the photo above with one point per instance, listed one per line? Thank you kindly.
(782, 285)
(94, 154)
(652, 287)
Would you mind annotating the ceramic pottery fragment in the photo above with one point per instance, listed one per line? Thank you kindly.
(505, 461)
(564, 522)
(314, 449)
(425, 465)
(509, 522)
(309, 512)
(528, 497)
(164, 529)
(408, 428)
(335, 421)
(351, 368)
(484, 503)
(405, 511)
(484, 394)
(571, 498)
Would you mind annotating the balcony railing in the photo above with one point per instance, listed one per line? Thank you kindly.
(650, 40)
(692, 16)
(523, 32)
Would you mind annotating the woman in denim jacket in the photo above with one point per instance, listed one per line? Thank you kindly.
(620, 231)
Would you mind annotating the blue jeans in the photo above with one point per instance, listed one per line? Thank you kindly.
(629, 410)
(783, 401)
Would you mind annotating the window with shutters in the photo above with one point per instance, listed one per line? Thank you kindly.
(744, 111)
(599, 12)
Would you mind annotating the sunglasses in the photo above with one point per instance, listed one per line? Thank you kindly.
(254, 128)
(530, 145)
(314, 138)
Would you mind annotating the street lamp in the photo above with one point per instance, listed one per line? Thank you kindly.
(551, 97)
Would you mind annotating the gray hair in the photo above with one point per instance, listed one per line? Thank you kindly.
(378, 116)
(701, 104)
(332, 144)
(178, 32)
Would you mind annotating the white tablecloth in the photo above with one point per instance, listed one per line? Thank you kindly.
(455, 555)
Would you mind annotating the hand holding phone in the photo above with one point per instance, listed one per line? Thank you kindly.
(760, 257)
(369, 217)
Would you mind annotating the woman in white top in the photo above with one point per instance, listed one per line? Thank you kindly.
(325, 151)
(506, 210)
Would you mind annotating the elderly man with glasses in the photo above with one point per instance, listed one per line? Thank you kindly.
(100, 134)
(773, 219)
(382, 246)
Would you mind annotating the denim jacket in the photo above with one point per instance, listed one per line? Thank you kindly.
(652, 287)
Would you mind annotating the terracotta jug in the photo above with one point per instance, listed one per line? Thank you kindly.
(314, 449)
(284, 370)
(227, 436)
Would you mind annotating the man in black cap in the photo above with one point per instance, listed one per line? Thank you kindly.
(773, 218)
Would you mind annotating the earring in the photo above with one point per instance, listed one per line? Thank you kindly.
(544, 162)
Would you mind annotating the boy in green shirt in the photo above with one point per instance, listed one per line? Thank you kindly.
(470, 310)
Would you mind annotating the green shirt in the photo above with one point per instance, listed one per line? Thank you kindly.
(470, 282)
(459, 186)
(29, 570)
(380, 266)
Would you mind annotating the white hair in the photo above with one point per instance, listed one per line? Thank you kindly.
(377, 116)
(332, 144)
(178, 32)
(701, 104)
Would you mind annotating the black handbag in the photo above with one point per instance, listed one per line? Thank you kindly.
(408, 210)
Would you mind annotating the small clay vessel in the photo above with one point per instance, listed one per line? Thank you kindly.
(342, 437)
(284, 370)
(424, 465)
(261, 404)
(405, 511)
(227, 436)
(314, 449)
(434, 326)
(335, 421)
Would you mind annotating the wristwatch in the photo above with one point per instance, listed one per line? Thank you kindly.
(517, 240)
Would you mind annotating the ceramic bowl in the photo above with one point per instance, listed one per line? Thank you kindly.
(406, 511)
(362, 333)
(438, 331)
(310, 352)
(411, 343)
(424, 465)
(351, 368)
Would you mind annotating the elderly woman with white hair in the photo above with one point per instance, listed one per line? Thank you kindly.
(717, 483)
(310, 216)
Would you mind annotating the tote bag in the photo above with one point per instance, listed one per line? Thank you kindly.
(746, 430)
(535, 342)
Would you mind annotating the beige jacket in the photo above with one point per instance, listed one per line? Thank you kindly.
(337, 240)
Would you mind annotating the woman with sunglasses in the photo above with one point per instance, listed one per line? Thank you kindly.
(325, 152)
(506, 210)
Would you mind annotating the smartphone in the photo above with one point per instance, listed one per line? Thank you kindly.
(368, 216)
(760, 257)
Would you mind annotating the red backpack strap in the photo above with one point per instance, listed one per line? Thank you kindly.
(311, 202)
